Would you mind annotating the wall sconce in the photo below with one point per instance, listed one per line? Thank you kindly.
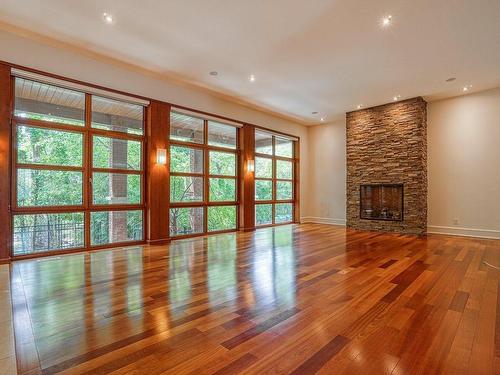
(161, 156)
(250, 165)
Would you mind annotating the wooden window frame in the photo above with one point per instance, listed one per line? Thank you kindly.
(206, 175)
(294, 162)
(87, 207)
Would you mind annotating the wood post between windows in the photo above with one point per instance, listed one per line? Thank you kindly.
(5, 147)
(158, 179)
(247, 206)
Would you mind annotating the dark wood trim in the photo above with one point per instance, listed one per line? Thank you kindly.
(247, 209)
(49, 125)
(5, 162)
(296, 182)
(158, 177)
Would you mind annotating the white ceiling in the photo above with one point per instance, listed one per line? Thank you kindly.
(307, 55)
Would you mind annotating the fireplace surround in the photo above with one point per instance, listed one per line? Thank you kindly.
(387, 145)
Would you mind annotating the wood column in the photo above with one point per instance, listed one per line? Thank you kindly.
(158, 176)
(247, 196)
(5, 149)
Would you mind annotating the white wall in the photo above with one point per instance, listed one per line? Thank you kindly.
(464, 164)
(463, 167)
(327, 173)
(67, 62)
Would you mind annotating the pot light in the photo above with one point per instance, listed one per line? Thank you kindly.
(386, 21)
(251, 78)
(108, 18)
(322, 119)
(466, 88)
(359, 106)
(396, 98)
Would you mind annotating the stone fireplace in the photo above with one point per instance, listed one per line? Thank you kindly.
(387, 168)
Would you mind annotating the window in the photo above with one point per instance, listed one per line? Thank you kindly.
(203, 176)
(59, 196)
(274, 179)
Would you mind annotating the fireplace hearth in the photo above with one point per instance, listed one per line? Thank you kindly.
(381, 202)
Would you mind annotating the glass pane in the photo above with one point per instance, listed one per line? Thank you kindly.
(186, 159)
(116, 188)
(186, 128)
(49, 147)
(39, 101)
(222, 163)
(115, 226)
(45, 232)
(116, 115)
(263, 143)
(283, 212)
(116, 153)
(263, 214)
(186, 189)
(263, 167)
(221, 218)
(221, 135)
(284, 169)
(48, 188)
(284, 190)
(222, 189)
(284, 147)
(186, 220)
(263, 190)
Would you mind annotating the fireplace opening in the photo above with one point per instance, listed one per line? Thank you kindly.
(381, 202)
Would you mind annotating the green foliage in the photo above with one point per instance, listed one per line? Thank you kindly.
(284, 169)
(103, 184)
(263, 190)
(222, 189)
(263, 167)
(48, 188)
(284, 190)
(50, 147)
(127, 154)
(221, 218)
(263, 214)
(222, 163)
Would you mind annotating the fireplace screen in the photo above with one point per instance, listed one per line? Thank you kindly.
(381, 202)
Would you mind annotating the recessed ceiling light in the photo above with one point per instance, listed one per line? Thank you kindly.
(386, 21)
(108, 18)
(451, 79)
(322, 119)
(251, 78)
(359, 106)
(466, 88)
(396, 98)
(213, 73)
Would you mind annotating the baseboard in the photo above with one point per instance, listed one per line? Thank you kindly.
(465, 232)
(322, 220)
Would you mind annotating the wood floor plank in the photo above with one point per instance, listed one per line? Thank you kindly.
(302, 299)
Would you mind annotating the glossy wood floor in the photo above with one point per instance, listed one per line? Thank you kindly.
(299, 299)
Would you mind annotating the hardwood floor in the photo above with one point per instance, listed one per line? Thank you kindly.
(298, 299)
